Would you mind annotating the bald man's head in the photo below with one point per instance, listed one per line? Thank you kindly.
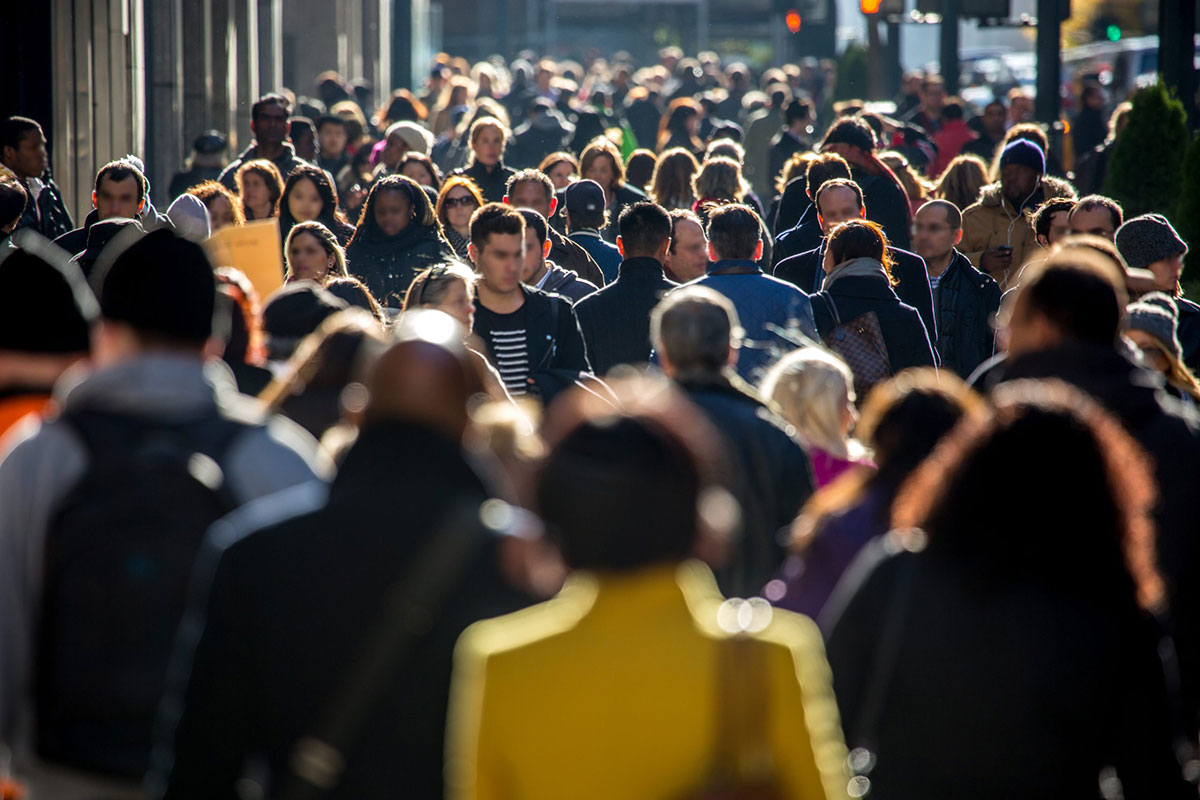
(425, 378)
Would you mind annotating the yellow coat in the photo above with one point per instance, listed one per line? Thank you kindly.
(609, 691)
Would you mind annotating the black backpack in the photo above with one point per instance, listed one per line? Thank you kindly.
(119, 552)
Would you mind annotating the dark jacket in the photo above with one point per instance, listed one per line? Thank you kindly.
(792, 205)
(493, 184)
(604, 254)
(903, 332)
(783, 146)
(557, 354)
(807, 271)
(1170, 433)
(287, 161)
(966, 300)
(75, 241)
(569, 255)
(1189, 332)
(388, 264)
(770, 476)
(624, 197)
(805, 235)
(536, 139)
(566, 283)
(886, 204)
(50, 217)
(182, 181)
(616, 320)
(998, 689)
(291, 588)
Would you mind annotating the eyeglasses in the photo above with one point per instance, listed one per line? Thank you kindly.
(451, 202)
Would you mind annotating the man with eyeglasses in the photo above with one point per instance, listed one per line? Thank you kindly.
(964, 299)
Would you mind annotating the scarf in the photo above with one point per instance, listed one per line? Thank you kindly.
(855, 268)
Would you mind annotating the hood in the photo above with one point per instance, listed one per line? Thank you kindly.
(154, 384)
(1052, 187)
(190, 217)
(549, 121)
(558, 277)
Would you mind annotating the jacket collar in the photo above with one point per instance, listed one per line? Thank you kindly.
(401, 453)
(866, 287)
(734, 266)
(640, 267)
(685, 589)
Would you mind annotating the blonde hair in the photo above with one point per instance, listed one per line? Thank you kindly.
(961, 181)
(915, 187)
(812, 388)
(328, 242)
(720, 178)
(479, 125)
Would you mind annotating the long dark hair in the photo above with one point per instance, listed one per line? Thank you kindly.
(330, 216)
(674, 123)
(423, 215)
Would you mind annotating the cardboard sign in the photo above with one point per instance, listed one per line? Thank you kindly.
(255, 249)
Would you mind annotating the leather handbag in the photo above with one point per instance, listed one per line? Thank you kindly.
(860, 344)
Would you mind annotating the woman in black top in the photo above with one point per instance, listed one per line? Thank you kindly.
(309, 196)
(488, 137)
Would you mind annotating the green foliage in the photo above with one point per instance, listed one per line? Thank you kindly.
(1144, 169)
(1187, 217)
(852, 73)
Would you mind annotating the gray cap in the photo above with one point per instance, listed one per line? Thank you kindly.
(1149, 238)
(1157, 315)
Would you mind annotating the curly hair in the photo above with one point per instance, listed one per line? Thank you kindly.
(209, 190)
(270, 176)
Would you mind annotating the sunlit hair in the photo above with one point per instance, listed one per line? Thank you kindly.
(813, 388)
(961, 181)
(430, 286)
(671, 184)
(422, 209)
(482, 124)
(209, 190)
(426, 163)
(328, 242)
(674, 122)
(554, 159)
(796, 166)
(915, 187)
(602, 147)
(270, 176)
(234, 284)
(1085, 495)
(720, 179)
(451, 183)
(860, 238)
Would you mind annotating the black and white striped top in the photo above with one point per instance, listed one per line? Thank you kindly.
(507, 343)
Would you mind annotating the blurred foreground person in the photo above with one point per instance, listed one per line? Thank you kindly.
(637, 681)
(1012, 653)
(148, 450)
(289, 660)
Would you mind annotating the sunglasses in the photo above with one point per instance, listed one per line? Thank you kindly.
(466, 199)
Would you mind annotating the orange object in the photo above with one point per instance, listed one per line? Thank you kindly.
(11, 790)
(870, 6)
(793, 21)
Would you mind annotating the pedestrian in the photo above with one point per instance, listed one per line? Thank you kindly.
(400, 139)
(1150, 242)
(930, 111)
(997, 233)
(205, 164)
(775, 316)
(615, 321)
(245, 351)
(840, 200)
(532, 337)
(488, 137)
(639, 168)
(961, 181)
(397, 236)
(457, 201)
(532, 189)
(421, 169)
(671, 184)
(814, 391)
(1051, 221)
(23, 153)
(965, 300)
(119, 193)
(562, 168)
(1054, 592)
(122, 455)
(544, 133)
(600, 161)
(992, 125)
(355, 294)
(291, 313)
(1091, 167)
(586, 215)
(902, 422)
(313, 253)
(697, 342)
(303, 135)
(36, 349)
(297, 585)
(332, 139)
(309, 196)
(269, 124)
(916, 189)
(1151, 325)
(13, 199)
(858, 282)
(620, 494)
(687, 257)
(223, 206)
(680, 127)
(761, 127)
(1090, 125)
(1097, 215)
(259, 188)
(791, 198)
(540, 273)
(883, 194)
(953, 136)
(795, 136)
(806, 234)
(718, 182)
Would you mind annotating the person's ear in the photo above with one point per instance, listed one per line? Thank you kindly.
(758, 250)
(621, 246)
(553, 205)
(546, 249)
(712, 253)
(506, 201)
(473, 253)
(958, 237)
(94, 200)
(862, 212)
(252, 126)
(141, 205)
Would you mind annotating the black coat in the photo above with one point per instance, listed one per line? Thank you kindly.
(556, 351)
(792, 204)
(807, 272)
(616, 320)
(1189, 332)
(770, 475)
(387, 265)
(533, 143)
(805, 235)
(75, 241)
(287, 161)
(290, 588)
(966, 300)
(887, 204)
(783, 147)
(492, 185)
(182, 181)
(569, 255)
(50, 217)
(903, 332)
(998, 689)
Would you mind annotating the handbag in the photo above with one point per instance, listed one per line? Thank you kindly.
(742, 768)
(860, 344)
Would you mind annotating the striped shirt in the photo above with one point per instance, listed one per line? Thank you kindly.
(507, 345)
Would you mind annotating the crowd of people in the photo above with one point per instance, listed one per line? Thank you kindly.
(618, 431)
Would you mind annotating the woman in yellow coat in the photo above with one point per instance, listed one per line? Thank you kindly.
(638, 680)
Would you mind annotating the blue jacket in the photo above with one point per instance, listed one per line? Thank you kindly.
(903, 333)
(760, 301)
(605, 254)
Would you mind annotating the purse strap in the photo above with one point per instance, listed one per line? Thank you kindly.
(827, 298)
(410, 609)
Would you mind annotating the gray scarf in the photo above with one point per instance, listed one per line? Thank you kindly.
(854, 268)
